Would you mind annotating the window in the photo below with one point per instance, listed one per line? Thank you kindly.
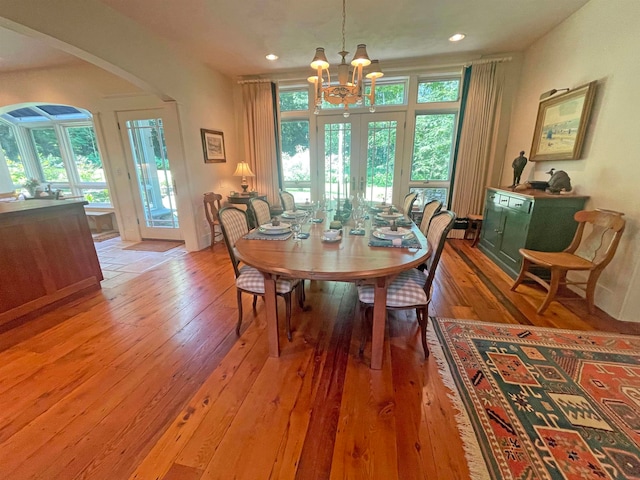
(387, 93)
(56, 145)
(430, 91)
(12, 156)
(294, 142)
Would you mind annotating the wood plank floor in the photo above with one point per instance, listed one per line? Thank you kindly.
(148, 380)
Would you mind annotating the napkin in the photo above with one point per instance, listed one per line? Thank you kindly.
(412, 242)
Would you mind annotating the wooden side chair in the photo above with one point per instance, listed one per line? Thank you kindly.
(211, 209)
(261, 210)
(429, 210)
(288, 201)
(590, 253)
(407, 204)
(412, 288)
(233, 222)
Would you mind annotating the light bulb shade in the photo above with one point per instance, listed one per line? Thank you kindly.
(361, 57)
(243, 170)
(374, 70)
(320, 60)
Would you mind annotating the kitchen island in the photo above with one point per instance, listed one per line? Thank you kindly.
(47, 256)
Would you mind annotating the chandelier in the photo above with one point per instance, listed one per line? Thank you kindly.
(350, 87)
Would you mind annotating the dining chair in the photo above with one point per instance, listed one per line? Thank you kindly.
(429, 210)
(590, 253)
(233, 222)
(407, 204)
(411, 289)
(261, 210)
(288, 201)
(211, 209)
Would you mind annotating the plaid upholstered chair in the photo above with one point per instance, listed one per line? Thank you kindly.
(407, 204)
(412, 288)
(430, 209)
(261, 210)
(233, 222)
(288, 202)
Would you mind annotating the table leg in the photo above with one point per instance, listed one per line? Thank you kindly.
(379, 319)
(271, 308)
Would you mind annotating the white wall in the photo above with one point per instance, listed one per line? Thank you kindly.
(138, 62)
(599, 42)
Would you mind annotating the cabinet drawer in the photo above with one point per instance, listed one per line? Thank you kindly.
(520, 204)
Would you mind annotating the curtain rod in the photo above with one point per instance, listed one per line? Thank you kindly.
(481, 61)
(258, 80)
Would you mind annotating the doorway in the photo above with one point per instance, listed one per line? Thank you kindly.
(149, 170)
(360, 155)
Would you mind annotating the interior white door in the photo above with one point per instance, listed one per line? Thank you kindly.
(149, 169)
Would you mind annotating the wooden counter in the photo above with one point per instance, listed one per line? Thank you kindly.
(46, 255)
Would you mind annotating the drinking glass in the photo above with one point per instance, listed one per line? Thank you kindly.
(296, 226)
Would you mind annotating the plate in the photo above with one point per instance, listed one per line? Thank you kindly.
(269, 229)
(293, 214)
(331, 240)
(386, 233)
(390, 216)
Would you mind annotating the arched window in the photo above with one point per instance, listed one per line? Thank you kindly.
(56, 146)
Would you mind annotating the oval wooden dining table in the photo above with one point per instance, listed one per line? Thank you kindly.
(349, 260)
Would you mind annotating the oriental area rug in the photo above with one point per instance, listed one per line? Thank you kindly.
(540, 403)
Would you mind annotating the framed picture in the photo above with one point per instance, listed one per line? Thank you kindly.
(561, 125)
(213, 146)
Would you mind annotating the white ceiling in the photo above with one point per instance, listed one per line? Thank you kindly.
(234, 36)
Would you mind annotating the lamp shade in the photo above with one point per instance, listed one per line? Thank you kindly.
(243, 170)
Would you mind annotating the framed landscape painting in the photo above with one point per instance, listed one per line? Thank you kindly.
(213, 146)
(561, 125)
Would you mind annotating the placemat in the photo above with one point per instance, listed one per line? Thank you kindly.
(256, 235)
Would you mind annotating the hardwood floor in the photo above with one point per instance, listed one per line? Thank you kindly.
(147, 380)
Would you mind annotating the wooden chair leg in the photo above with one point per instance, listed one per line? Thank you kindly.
(590, 290)
(239, 296)
(366, 312)
(556, 275)
(287, 299)
(523, 270)
(422, 315)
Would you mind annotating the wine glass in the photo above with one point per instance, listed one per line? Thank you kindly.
(295, 227)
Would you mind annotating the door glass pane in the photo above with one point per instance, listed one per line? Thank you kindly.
(432, 147)
(337, 158)
(47, 148)
(152, 171)
(381, 154)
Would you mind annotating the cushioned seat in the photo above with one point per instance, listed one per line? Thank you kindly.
(411, 289)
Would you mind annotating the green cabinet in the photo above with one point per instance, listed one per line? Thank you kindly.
(529, 219)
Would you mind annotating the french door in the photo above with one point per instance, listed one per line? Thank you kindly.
(143, 137)
(360, 154)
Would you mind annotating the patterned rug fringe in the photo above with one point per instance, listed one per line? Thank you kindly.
(473, 454)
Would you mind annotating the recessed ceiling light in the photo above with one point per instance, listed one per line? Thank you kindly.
(457, 37)
(272, 57)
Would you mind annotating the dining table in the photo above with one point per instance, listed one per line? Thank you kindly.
(349, 258)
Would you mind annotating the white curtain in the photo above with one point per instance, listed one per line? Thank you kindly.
(260, 138)
(477, 139)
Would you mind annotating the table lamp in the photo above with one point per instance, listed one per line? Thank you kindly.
(243, 170)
